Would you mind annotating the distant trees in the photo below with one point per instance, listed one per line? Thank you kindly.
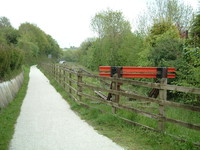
(195, 30)
(175, 12)
(115, 45)
(35, 42)
(4, 22)
(28, 43)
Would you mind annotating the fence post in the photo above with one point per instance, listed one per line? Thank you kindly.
(114, 109)
(162, 96)
(55, 72)
(79, 90)
(70, 83)
(60, 75)
(52, 68)
(64, 78)
(117, 88)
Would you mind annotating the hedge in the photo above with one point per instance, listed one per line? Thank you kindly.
(10, 59)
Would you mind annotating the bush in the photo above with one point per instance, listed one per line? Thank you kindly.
(4, 61)
(10, 59)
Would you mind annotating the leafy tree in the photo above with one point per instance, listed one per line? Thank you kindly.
(195, 30)
(163, 28)
(110, 23)
(34, 34)
(192, 53)
(8, 35)
(166, 51)
(71, 55)
(37, 42)
(175, 12)
(4, 22)
(113, 31)
(10, 59)
(53, 48)
(11, 35)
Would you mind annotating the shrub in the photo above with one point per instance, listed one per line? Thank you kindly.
(10, 60)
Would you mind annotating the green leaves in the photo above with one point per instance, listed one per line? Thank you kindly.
(4, 22)
(10, 59)
(27, 44)
(36, 42)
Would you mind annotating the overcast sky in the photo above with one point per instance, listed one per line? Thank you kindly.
(68, 21)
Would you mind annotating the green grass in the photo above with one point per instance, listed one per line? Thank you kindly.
(126, 135)
(8, 115)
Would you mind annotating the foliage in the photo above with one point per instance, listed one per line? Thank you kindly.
(4, 22)
(10, 59)
(162, 29)
(110, 23)
(195, 30)
(70, 55)
(25, 45)
(37, 42)
(116, 44)
(174, 11)
(165, 43)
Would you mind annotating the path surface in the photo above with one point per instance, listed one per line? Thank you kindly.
(46, 122)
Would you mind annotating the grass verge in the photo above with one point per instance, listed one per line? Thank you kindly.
(128, 136)
(8, 116)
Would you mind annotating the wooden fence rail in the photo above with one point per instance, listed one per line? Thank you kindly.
(73, 82)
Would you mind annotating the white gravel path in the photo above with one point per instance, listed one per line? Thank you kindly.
(46, 122)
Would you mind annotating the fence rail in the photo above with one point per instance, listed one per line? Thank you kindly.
(73, 81)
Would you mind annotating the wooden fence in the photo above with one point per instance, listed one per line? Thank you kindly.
(75, 82)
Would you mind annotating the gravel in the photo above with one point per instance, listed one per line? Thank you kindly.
(46, 122)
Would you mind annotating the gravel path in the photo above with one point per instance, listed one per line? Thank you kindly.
(46, 122)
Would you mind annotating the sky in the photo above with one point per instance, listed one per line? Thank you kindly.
(68, 21)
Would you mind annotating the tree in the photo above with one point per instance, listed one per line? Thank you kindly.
(174, 11)
(111, 28)
(195, 30)
(53, 48)
(4, 22)
(34, 34)
(165, 44)
(166, 52)
(161, 28)
(8, 35)
(110, 23)
(38, 41)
